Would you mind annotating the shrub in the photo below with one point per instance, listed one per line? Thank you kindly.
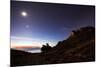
(46, 48)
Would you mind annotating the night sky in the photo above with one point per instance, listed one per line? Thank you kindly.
(34, 23)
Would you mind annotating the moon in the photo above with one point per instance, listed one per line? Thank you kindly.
(24, 13)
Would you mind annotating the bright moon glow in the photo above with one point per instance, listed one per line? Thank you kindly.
(24, 14)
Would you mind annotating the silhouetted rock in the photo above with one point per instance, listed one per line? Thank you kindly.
(79, 47)
(45, 48)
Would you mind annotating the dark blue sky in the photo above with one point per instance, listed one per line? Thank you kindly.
(47, 22)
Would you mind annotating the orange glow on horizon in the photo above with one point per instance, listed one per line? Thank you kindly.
(27, 47)
(16, 45)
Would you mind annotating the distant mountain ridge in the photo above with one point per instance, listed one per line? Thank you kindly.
(79, 47)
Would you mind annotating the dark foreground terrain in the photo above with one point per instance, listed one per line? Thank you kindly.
(79, 47)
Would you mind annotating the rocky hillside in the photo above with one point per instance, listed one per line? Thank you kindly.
(79, 47)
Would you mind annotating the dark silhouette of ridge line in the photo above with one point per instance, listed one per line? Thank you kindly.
(78, 47)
